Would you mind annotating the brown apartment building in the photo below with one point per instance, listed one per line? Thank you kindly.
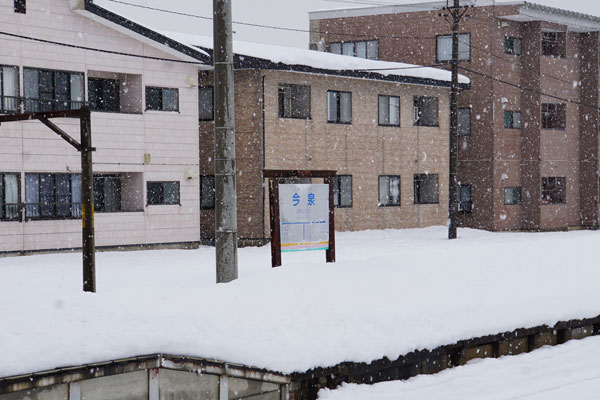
(298, 109)
(528, 145)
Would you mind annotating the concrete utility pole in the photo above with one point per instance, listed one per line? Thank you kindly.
(456, 13)
(225, 190)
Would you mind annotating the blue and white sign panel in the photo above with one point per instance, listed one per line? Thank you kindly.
(304, 217)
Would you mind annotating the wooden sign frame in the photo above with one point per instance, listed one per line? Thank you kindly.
(274, 176)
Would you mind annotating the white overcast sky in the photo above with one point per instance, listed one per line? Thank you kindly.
(286, 13)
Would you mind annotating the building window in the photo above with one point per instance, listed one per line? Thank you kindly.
(104, 94)
(463, 197)
(426, 111)
(339, 107)
(10, 207)
(163, 193)
(206, 109)
(162, 99)
(363, 49)
(342, 191)
(389, 110)
(47, 90)
(464, 122)
(554, 115)
(554, 44)
(389, 190)
(554, 190)
(294, 101)
(107, 193)
(207, 192)
(512, 45)
(426, 188)
(20, 6)
(444, 47)
(52, 196)
(9, 89)
(512, 195)
(512, 120)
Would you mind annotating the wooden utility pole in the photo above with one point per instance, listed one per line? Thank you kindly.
(456, 14)
(87, 178)
(87, 203)
(225, 188)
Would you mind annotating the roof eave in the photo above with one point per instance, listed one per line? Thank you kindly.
(121, 24)
(244, 62)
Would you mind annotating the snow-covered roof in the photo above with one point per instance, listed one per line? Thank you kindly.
(575, 21)
(319, 60)
(255, 55)
(528, 11)
(396, 9)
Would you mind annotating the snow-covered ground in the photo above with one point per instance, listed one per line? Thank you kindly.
(568, 371)
(390, 292)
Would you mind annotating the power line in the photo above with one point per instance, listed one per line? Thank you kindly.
(525, 89)
(119, 53)
(180, 13)
(281, 28)
(382, 3)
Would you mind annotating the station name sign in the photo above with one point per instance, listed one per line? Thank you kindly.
(304, 217)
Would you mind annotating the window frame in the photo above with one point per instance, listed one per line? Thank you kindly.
(212, 102)
(549, 189)
(418, 101)
(75, 212)
(458, 130)
(162, 188)
(417, 179)
(102, 208)
(389, 203)
(213, 205)
(117, 87)
(464, 206)
(509, 45)
(512, 114)
(437, 48)
(549, 118)
(514, 189)
(4, 204)
(293, 100)
(558, 49)
(20, 6)
(162, 101)
(54, 102)
(368, 45)
(339, 108)
(16, 95)
(388, 97)
(337, 192)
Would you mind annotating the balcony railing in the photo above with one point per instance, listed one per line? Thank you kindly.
(35, 211)
(10, 212)
(10, 104)
(17, 105)
(465, 206)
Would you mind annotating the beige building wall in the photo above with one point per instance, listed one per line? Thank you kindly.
(362, 149)
(122, 139)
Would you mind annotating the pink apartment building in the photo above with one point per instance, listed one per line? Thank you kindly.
(144, 128)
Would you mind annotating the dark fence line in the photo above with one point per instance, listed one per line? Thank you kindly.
(306, 385)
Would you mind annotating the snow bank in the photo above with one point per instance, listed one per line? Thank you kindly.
(319, 59)
(567, 371)
(390, 292)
